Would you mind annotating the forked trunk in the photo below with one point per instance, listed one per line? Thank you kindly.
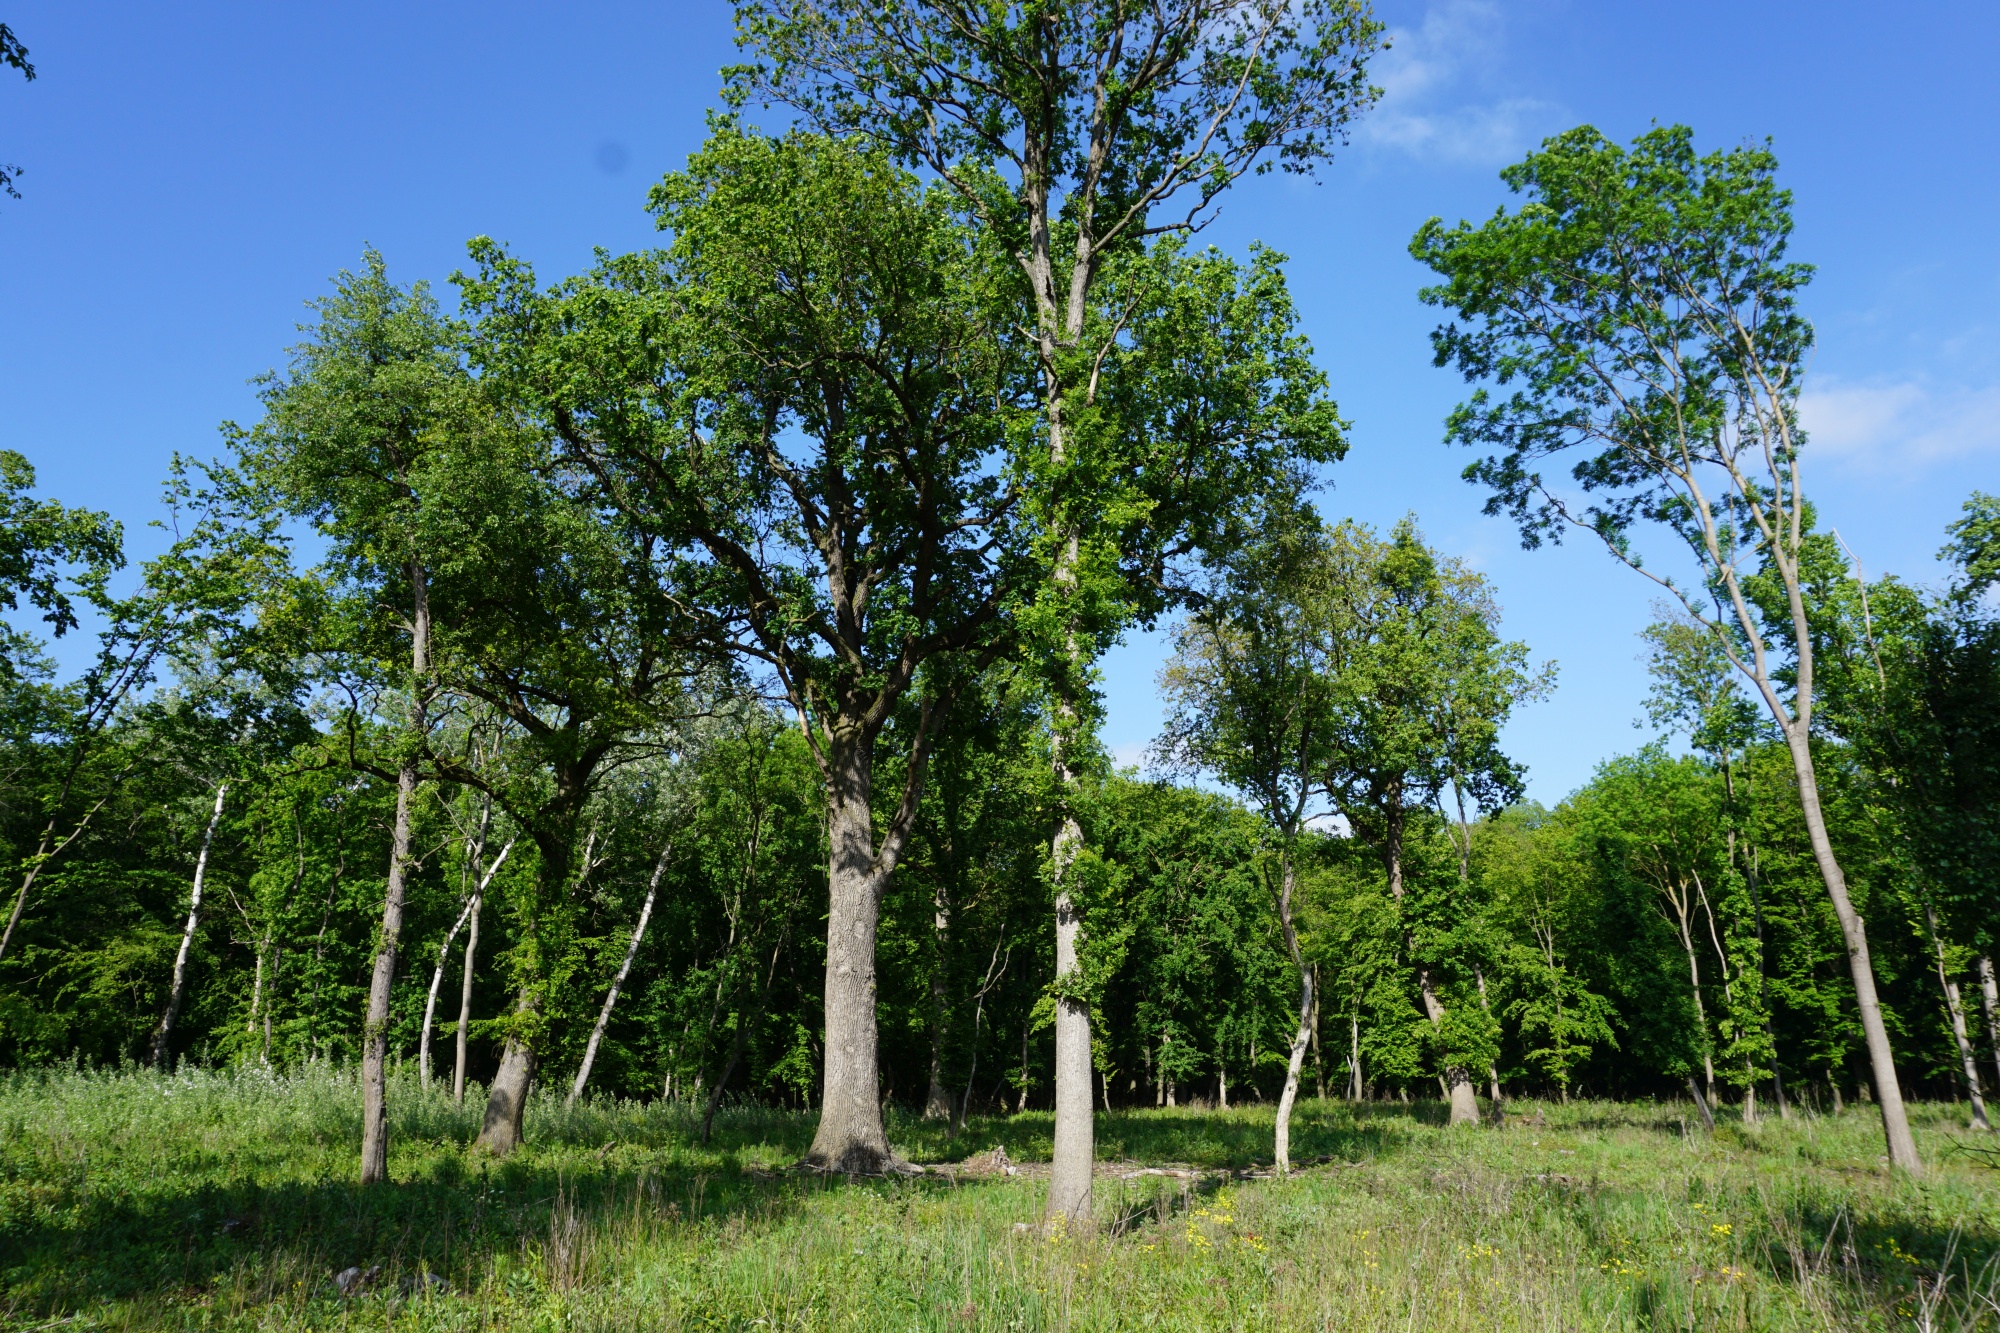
(1881, 1057)
(431, 998)
(163, 1034)
(507, 1099)
(851, 1138)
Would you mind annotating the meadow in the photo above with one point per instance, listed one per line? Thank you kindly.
(227, 1200)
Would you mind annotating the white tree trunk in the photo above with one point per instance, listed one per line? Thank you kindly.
(163, 1034)
(624, 969)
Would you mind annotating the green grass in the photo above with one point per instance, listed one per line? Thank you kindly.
(226, 1201)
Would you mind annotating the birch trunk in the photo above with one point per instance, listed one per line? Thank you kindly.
(465, 1000)
(431, 997)
(624, 970)
(163, 1034)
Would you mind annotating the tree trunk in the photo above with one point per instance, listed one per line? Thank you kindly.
(851, 1138)
(375, 1029)
(1282, 1148)
(163, 1034)
(465, 999)
(1492, 1070)
(1356, 1087)
(1319, 1053)
(1701, 1104)
(507, 1100)
(624, 969)
(937, 1101)
(1881, 1057)
(1075, 1130)
(1967, 1058)
(1989, 999)
(431, 998)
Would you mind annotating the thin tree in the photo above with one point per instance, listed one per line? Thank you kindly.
(1640, 308)
(1072, 132)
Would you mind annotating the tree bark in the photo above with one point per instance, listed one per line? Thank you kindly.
(431, 997)
(851, 1137)
(1701, 1104)
(937, 1101)
(1881, 1057)
(1956, 1011)
(1458, 1081)
(1989, 999)
(163, 1033)
(1282, 1149)
(375, 1028)
(624, 969)
(1071, 1164)
(500, 1131)
(465, 998)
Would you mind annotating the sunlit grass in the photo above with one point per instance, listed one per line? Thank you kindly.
(225, 1200)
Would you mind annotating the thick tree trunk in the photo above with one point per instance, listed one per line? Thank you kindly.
(1881, 1057)
(1282, 1148)
(1075, 1131)
(624, 969)
(163, 1033)
(507, 1100)
(851, 1137)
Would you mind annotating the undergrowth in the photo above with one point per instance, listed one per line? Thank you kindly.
(226, 1200)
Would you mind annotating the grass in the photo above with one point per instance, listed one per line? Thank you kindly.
(225, 1200)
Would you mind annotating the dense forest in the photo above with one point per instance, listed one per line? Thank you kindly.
(676, 681)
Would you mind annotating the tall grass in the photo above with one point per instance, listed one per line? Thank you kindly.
(225, 1200)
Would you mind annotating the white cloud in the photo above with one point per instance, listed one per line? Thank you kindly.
(1880, 426)
(1421, 113)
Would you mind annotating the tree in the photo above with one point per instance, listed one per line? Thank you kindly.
(1072, 132)
(1641, 309)
(814, 292)
(355, 437)
(1250, 700)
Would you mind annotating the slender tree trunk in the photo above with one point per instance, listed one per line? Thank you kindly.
(1282, 1154)
(1492, 1070)
(937, 1101)
(466, 973)
(500, 1131)
(978, 1017)
(618, 981)
(1354, 1055)
(1989, 999)
(1881, 1057)
(431, 997)
(851, 1137)
(1319, 1053)
(1956, 1011)
(375, 1029)
(1700, 1012)
(163, 1033)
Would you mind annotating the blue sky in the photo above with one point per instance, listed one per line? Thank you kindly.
(193, 172)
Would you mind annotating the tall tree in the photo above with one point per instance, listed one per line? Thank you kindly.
(1640, 308)
(804, 403)
(1071, 132)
